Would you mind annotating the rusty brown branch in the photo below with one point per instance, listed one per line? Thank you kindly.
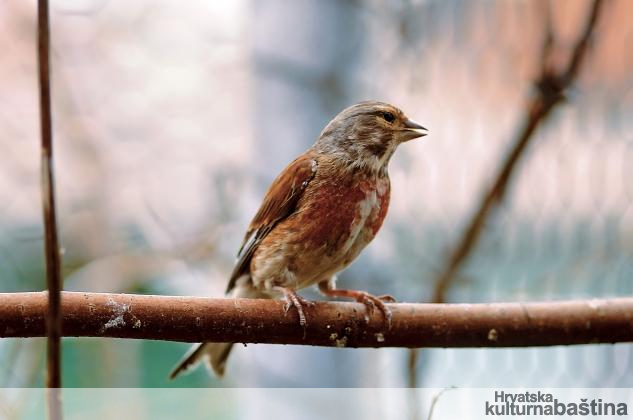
(53, 266)
(195, 319)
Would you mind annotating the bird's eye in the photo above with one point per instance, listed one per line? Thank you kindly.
(389, 117)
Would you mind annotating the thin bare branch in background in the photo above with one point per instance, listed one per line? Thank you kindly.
(548, 38)
(549, 89)
(436, 398)
(196, 319)
(53, 266)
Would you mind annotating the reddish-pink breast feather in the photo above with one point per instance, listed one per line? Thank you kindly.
(334, 207)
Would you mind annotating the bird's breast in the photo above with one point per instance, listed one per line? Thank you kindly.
(344, 215)
(335, 219)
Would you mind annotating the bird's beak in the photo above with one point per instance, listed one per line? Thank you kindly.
(413, 130)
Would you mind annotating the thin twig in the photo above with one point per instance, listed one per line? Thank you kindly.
(196, 319)
(436, 398)
(53, 268)
(550, 90)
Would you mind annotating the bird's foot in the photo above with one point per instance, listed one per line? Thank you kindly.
(370, 301)
(387, 298)
(293, 299)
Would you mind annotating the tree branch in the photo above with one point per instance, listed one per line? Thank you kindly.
(194, 319)
(53, 266)
(550, 90)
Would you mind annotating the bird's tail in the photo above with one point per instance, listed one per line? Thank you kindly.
(214, 354)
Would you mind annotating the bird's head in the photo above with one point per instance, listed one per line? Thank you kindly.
(365, 135)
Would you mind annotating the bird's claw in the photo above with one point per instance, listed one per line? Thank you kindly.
(293, 299)
(372, 302)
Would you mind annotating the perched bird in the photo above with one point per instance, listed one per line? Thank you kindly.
(317, 216)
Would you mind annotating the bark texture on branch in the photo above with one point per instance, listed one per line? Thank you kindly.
(196, 319)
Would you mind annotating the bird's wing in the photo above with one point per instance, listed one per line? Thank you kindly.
(280, 202)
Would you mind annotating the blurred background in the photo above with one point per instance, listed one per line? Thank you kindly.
(172, 118)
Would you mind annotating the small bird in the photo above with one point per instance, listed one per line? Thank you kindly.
(317, 216)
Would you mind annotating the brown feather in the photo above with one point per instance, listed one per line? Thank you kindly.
(279, 203)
